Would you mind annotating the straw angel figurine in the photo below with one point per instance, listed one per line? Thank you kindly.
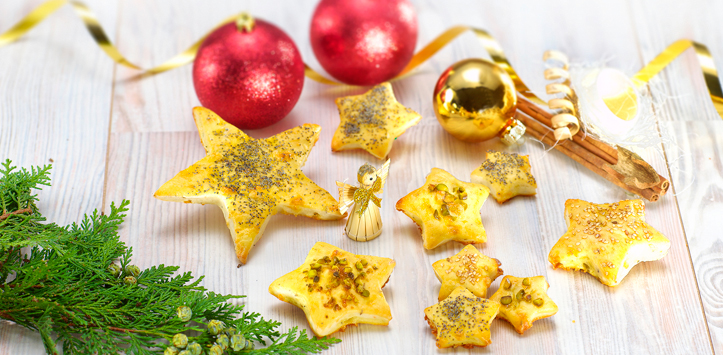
(364, 222)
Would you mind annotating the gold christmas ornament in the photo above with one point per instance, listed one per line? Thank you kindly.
(475, 100)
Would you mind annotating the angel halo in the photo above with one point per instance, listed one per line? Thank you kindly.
(365, 221)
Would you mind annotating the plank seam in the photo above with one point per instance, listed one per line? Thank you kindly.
(685, 234)
(672, 185)
(110, 114)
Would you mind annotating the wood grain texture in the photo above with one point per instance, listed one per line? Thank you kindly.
(679, 90)
(656, 309)
(698, 181)
(55, 91)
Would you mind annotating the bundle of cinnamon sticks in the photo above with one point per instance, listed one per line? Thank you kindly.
(619, 166)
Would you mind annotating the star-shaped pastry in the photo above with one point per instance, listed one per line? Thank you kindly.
(336, 288)
(506, 175)
(607, 240)
(523, 301)
(446, 209)
(372, 121)
(462, 319)
(469, 268)
(251, 179)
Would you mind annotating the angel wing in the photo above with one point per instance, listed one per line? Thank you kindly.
(382, 174)
(346, 196)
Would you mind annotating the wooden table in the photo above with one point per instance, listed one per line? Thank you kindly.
(112, 137)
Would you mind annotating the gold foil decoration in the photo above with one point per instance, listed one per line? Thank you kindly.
(566, 122)
(488, 42)
(365, 221)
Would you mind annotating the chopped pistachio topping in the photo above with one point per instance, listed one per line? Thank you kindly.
(526, 281)
(506, 300)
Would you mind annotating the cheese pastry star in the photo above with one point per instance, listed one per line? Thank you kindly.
(251, 179)
(506, 175)
(372, 121)
(446, 209)
(470, 269)
(462, 319)
(523, 301)
(336, 288)
(607, 240)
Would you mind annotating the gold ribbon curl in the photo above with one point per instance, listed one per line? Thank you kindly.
(101, 39)
(707, 65)
(488, 42)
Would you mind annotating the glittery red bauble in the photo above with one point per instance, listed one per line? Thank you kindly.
(251, 79)
(364, 42)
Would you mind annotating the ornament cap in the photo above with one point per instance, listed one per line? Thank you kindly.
(245, 22)
(513, 132)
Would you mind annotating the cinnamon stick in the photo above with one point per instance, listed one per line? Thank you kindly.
(596, 147)
(593, 145)
(579, 154)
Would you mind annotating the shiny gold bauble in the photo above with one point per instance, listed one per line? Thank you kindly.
(475, 100)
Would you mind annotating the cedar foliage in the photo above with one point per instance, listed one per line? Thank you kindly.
(76, 286)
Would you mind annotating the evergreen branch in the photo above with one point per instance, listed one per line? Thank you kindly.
(77, 287)
(8, 214)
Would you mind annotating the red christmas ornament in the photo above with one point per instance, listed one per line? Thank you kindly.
(364, 42)
(250, 77)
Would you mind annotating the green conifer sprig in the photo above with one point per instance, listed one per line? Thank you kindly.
(77, 287)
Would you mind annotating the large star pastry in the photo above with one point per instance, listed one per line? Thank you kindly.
(446, 209)
(470, 269)
(372, 121)
(607, 240)
(462, 319)
(523, 301)
(336, 288)
(506, 175)
(251, 179)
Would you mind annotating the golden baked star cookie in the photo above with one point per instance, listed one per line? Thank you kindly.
(506, 175)
(251, 179)
(607, 240)
(470, 269)
(372, 121)
(523, 301)
(446, 209)
(336, 288)
(462, 319)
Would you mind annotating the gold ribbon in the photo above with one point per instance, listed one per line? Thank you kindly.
(488, 42)
(96, 30)
(704, 59)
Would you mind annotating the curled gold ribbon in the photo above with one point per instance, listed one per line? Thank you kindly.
(101, 39)
(488, 42)
(704, 59)
(490, 45)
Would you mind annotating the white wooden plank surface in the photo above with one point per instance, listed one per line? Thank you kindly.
(692, 148)
(55, 90)
(656, 309)
(698, 179)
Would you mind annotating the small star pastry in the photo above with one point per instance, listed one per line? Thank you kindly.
(251, 179)
(607, 240)
(470, 269)
(523, 301)
(506, 175)
(336, 288)
(446, 209)
(372, 121)
(462, 319)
